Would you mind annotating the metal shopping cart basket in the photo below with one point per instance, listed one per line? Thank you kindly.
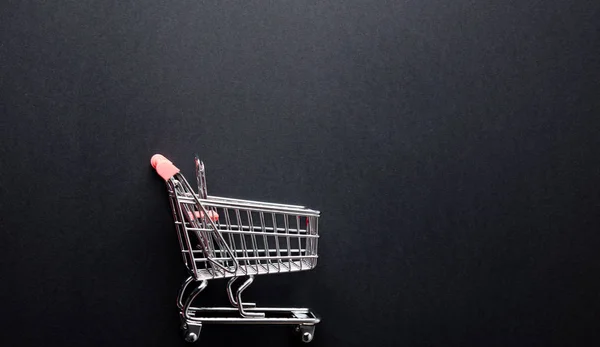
(231, 238)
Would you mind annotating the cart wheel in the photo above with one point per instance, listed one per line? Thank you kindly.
(307, 332)
(189, 336)
(191, 332)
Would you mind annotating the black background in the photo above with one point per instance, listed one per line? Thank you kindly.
(452, 147)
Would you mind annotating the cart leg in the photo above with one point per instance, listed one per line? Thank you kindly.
(182, 292)
(231, 297)
(191, 297)
(191, 328)
(241, 303)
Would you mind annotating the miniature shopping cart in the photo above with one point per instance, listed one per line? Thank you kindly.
(231, 238)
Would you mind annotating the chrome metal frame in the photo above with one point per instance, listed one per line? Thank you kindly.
(232, 238)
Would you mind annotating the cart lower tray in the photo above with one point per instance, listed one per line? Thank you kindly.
(258, 269)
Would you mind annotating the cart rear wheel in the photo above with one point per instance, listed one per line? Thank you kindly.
(307, 337)
(190, 336)
(191, 332)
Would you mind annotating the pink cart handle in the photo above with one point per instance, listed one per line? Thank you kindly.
(214, 216)
(163, 166)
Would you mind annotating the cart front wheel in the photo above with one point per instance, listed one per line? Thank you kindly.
(307, 332)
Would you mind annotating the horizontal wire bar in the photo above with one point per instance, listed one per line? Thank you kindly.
(293, 257)
(300, 231)
(246, 207)
(296, 250)
(253, 202)
(252, 320)
(290, 310)
(226, 231)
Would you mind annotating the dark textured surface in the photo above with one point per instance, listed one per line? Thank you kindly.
(452, 146)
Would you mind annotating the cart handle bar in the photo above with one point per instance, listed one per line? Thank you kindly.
(163, 166)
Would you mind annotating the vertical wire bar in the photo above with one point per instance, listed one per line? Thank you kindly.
(313, 240)
(242, 240)
(178, 228)
(265, 240)
(228, 227)
(299, 240)
(316, 222)
(231, 238)
(214, 211)
(287, 233)
(253, 238)
(194, 224)
(276, 235)
(188, 243)
(203, 238)
(215, 249)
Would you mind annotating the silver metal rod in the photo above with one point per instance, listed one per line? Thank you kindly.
(225, 231)
(291, 250)
(265, 258)
(251, 320)
(262, 309)
(257, 207)
(287, 232)
(253, 237)
(186, 236)
(252, 202)
(276, 241)
(247, 227)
